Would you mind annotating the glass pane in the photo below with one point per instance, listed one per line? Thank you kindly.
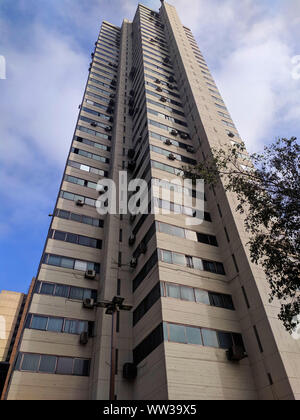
(190, 235)
(83, 240)
(225, 340)
(76, 293)
(64, 214)
(82, 326)
(173, 291)
(85, 168)
(70, 326)
(39, 322)
(54, 260)
(55, 324)
(87, 220)
(71, 237)
(30, 362)
(80, 265)
(202, 296)
(81, 367)
(76, 217)
(197, 263)
(64, 366)
(210, 338)
(179, 259)
(67, 263)
(47, 289)
(187, 293)
(47, 364)
(228, 303)
(87, 293)
(165, 330)
(59, 236)
(193, 335)
(61, 290)
(167, 256)
(177, 333)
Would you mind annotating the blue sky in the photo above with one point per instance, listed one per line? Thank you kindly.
(248, 45)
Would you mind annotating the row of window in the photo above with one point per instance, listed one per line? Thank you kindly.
(166, 117)
(168, 139)
(196, 263)
(56, 324)
(185, 334)
(167, 108)
(186, 234)
(72, 263)
(165, 152)
(75, 239)
(171, 101)
(42, 363)
(81, 218)
(164, 127)
(93, 132)
(87, 168)
(89, 155)
(92, 143)
(98, 114)
(79, 181)
(62, 290)
(94, 95)
(76, 197)
(180, 209)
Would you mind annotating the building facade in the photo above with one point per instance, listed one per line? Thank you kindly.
(199, 305)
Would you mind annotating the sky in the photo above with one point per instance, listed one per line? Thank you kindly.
(251, 47)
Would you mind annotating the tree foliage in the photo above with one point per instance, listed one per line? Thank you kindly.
(267, 189)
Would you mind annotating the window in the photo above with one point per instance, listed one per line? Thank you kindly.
(47, 364)
(173, 290)
(202, 296)
(210, 338)
(177, 333)
(193, 335)
(30, 362)
(55, 324)
(64, 366)
(187, 293)
(39, 322)
(225, 340)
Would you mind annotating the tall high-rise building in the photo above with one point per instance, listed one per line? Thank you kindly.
(202, 326)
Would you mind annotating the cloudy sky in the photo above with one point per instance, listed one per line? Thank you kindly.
(249, 46)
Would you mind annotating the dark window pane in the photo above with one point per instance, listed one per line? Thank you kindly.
(55, 324)
(209, 338)
(64, 366)
(30, 362)
(61, 290)
(83, 240)
(60, 236)
(37, 287)
(225, 340)
(18, 362)
(87, 293)
(71, 326)
(216, 300)
(220, 268)
(202, 238)
(228, 303)
(71, 237)
(193, 335)
(64, 214)
(76, 217)
(39, 322)
(76, 293)
(81, 367)
(47, 364)
(87, 220)
(54, 260)
(177, 333)
(47, 289)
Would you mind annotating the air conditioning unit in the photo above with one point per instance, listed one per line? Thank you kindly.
(111, 119)
(171, 156)
(131, 93)
(166, 59)
(174, 132)
(93, 124)
(170, 86)
(236, 353)
(184, 136)
(131, 240)
(79, 203)
(112, 95)
(163, 99)
(131, 153)
(157, 81)
(133, 262)
(171, 79)
(159, 89)
(190, 149)
(84, 338)
(90, 274)
(143, 248)
(108, 128)
(230, 134)
(168, 142)
(111, 102)
(88, 303)
(129, 371)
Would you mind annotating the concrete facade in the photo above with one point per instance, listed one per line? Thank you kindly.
(146, 79)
